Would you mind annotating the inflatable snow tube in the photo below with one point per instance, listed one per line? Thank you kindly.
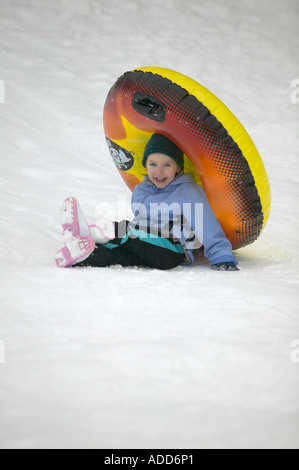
(218, 150)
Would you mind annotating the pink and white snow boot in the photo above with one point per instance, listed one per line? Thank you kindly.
(76, 250)
(75, 224)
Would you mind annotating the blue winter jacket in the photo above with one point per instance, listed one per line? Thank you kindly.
(180, 211)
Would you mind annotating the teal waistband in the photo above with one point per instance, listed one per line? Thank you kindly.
(148, 238)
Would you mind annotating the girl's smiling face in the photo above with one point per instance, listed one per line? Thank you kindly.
(161, 169)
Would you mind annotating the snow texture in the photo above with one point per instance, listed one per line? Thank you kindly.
(137, 358)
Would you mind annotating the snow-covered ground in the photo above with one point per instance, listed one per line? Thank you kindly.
(134, 358)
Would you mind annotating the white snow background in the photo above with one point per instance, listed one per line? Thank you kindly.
(137, 358)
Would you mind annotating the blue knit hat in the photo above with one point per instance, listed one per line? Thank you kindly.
(158, 143)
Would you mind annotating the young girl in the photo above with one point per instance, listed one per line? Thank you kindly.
(171, 213)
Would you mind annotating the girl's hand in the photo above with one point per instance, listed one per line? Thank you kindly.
(225, 267)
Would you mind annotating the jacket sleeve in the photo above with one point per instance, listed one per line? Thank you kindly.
(205, 225)
(137, 197)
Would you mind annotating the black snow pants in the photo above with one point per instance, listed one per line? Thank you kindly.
(134, 252)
